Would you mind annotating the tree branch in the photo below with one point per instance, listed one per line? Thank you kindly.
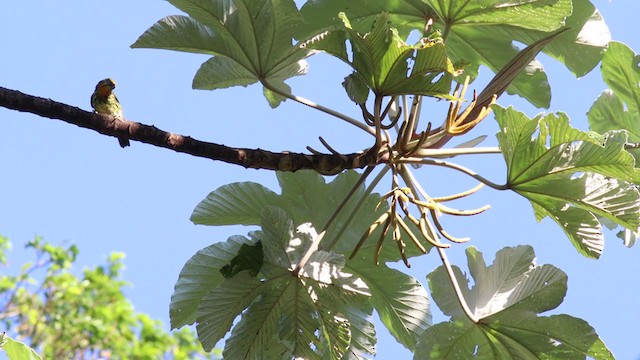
(326, 164)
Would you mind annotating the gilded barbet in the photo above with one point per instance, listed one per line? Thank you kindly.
(104, 101)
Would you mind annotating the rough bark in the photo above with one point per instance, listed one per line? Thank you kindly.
(326, 164)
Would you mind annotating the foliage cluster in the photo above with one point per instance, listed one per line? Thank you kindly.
(64, 316)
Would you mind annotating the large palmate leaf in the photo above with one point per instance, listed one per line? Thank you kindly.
(200, 275)
(281, 316)
(482, 32)
(570, 176)
(506, 299)
(399, 299)
(619, 106)
(621, 72)
(219, 308)
(251, 41)
(306, 197)
(236, 203)
(381, 60)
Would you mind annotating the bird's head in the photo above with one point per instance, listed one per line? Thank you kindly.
(105, 87)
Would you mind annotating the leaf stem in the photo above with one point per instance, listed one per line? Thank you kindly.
(456, 287)
(316, 106)
(442, 153)
(417, 190)
(314, 245)
(457, 167)
(344, 202)
(377, 107)
(357, 207)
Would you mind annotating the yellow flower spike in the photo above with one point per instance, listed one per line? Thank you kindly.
(405, 209)
(458, 103)
(425, 233)
(468, 125)
(413, 237)
(459, 195)
(401, 196)
(460, 118)
(447, 210)
(444, 233)
(454, 106)
(465, 86)
(385, 230)
(412, 218)
(387, 194)
(401, 245)
(383, 218)
(406, 190)
(459, 124)
(451, 116)
(428, 205)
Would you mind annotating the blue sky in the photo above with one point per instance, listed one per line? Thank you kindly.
(72, 185)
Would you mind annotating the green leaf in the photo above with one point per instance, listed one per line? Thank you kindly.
(619, 107)
(305, 197)
(573, 179)
(334, 325)
(298, 315)
(18, 351)
(250, 257)
(284, 247)
(237, 203)
(356, 88)
(482, 32)
(608, 112)
(548, 14)
(381, 59)
(475, 39)
(506, 298)
(5, 245)
(404, 15)
(363, 332)
(220, 72)
(254, 334)
(274, 98)
(251, 41)
(200, 275)
(621, 72)
(307, 316)
(222, 305)
(399, 299)
(581, 48)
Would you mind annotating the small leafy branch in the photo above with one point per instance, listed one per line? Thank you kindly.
(61, 315)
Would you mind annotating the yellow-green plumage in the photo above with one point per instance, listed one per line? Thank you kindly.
(104, 101)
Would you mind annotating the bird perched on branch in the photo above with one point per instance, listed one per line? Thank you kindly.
(104, 101)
